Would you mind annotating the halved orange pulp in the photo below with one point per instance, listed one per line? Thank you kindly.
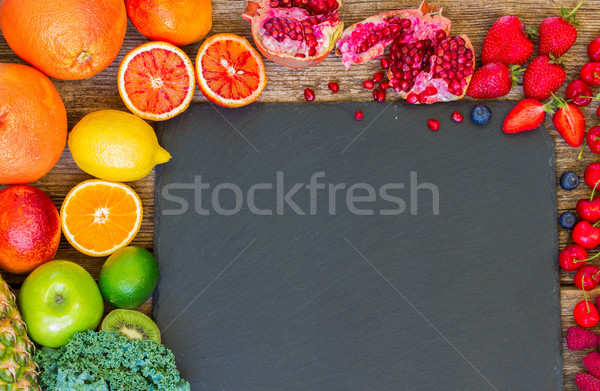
(229, 71)
(99, 217)
(156, 81)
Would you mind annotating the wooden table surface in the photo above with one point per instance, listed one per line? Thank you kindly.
(469, 17)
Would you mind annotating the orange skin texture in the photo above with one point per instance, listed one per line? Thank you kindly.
(66, 39)
(33, 124)
(179, 22)
(29, 229)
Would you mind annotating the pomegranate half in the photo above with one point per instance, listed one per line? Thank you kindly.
(426, 64)
(295, 33)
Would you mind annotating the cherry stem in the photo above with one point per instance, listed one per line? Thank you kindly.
(587, 304)
(581, 150)
(596, 223)
(596, 275)
(585, 260)
(593, 191)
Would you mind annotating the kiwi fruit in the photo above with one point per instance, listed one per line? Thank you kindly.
(132, 324)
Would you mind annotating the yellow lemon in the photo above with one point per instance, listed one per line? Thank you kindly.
(115, 146)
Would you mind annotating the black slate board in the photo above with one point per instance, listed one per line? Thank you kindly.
(467, 299)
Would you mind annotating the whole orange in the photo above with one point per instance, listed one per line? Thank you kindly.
(33, 124)
(180, 22)
(29, 228)
(66, 39)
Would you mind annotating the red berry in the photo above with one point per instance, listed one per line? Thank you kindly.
(457, 117)
(593, 50)
(593, 139)
(587, 278)
(579, 338)
(528, 114)
(358, 115)
(334, 87)
(591, 175)
(570, 124)
(590, 73)
(571, 257)
(377, 77)
(433, 124)
(586, 235)
(368, 84)
(578, 89)
(309, 95)
(586, 314)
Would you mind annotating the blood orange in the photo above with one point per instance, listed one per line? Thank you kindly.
(230, 72)
(156, 81)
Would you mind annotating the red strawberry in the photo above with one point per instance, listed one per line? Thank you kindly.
(493, 80)
(528, 114)
(506, 42)
(543, 76)
(587, 382)
(558, 34)
(569, 122)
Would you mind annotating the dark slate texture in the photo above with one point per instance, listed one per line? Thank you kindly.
(467, 299)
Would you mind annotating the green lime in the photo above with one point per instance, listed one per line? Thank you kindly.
(128, 277)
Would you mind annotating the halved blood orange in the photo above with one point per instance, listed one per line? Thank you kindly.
(229, 71)
(156, 81)
(99, 217)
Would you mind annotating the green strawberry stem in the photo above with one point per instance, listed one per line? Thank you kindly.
(515, 72)
(581, 150)
(570, 17)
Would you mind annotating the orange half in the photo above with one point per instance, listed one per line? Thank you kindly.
(99, 217)
(229, 71)
(156, 81)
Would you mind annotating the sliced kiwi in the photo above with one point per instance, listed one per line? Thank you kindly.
(132, 324)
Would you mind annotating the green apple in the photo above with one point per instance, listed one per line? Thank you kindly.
(57, 300)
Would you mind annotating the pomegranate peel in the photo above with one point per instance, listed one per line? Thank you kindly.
(368, 39)
(295, 33)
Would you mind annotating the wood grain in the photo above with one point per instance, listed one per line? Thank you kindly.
(469, 17)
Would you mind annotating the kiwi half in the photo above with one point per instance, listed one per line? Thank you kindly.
(132, 324)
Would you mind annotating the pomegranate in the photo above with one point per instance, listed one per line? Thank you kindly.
(426, 64)
(295, 33)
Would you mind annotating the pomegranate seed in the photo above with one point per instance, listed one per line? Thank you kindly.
(377, 77)
(368, 84)
(433, 124)
(422, 97)
(430, 90)
(385, 64)
(457, 117)
(334, 87)
(378, 95)
(412, 98)
(384, 85)
(309, 95)
(358, 115)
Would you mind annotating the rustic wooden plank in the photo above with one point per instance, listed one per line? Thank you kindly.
(469, 17)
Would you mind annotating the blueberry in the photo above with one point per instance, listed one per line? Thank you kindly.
(569, 180)
(567, 220)
(481, 114)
